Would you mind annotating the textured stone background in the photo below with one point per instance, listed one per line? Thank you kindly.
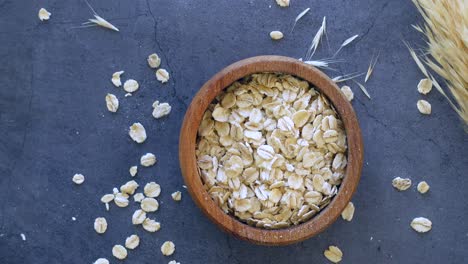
(53, 123)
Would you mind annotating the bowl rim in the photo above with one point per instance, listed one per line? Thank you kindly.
(188, 136)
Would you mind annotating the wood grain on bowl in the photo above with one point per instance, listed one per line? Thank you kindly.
(188, 137)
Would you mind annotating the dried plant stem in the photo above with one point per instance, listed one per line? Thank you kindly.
(103, 23)
(446, 29)
(346, 77)
(416, 59)
(372, 64)
(316, 40)
(85, 26)
(363, 89)
(323, 64)
(418, 28)
(97, 20)
(303, 13)
(345, 43)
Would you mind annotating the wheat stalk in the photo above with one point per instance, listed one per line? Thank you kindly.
(446, 30)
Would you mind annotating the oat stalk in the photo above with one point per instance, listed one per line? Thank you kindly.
(103, 23)
(346, 77)
(372, 64)
(363, 89)
(303, 13)
(345, 43)
(416, 59)
(317, 38)
(98, 20)
(323, 64)
(418, 28)
(439, 88)
(446, 31)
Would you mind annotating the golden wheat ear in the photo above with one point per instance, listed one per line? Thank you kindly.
(445, 29)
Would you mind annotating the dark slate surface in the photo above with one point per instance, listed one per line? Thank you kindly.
(53, 123)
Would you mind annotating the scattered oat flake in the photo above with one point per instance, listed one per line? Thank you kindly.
(421, 224)
(73, 218)
(151, 226)
(129, 187)
(107, 198)
(283, 3)
(425, 86)
(78, 179)
(348, 212)
(401, 184)
(133, 170)
(176, 196)
(132, 242)
(154, 61)
(23, 236)
(138, 217)
(149, 205)
(423, 187)
(138, 197)
(100, 225)
(333, 254)
(161, 109)
(348, 93)
(137, 132)
(131, 86)
(116, 78)
(167, 248)
(162, 75)
(152, 190)
(173, 262)
(101, 261)
(128, 94)
(44, 14)
(121, 199)
(276, 35)
(112, 103)
(303, 13)
(119, 252)
(147, 160)
(424, 107)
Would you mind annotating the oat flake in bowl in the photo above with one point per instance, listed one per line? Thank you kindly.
(271, 150)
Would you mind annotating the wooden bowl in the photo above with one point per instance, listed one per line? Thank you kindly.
(187, 145)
